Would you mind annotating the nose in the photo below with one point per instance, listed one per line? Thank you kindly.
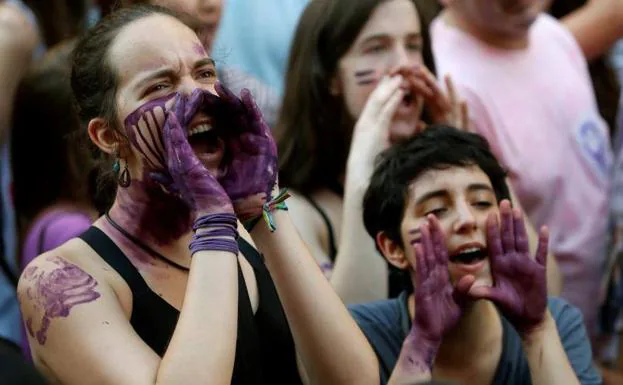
(465, 221)
(400, 58)
(188, 85)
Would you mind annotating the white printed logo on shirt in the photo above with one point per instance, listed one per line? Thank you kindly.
(595, 146)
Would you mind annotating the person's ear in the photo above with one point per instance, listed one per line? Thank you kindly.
(392, 251)
(105, 137)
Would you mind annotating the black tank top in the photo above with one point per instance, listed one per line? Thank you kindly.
(265, 351)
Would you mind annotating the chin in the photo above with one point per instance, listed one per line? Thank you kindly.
(402, 130)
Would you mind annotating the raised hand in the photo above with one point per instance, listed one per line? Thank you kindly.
(250, 167)
(441, 107)
(438, 303)
(190, 179)
(371, 134)
(520, 284)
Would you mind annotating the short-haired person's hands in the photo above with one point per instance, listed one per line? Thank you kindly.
(520, 283)
(438, 303)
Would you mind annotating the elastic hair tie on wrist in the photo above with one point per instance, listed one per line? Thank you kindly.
(277, 203)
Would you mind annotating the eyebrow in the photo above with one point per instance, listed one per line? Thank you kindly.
(168, 72)
(381, 36)
(444, 193)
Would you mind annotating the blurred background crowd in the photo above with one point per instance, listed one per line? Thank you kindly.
(565, 170)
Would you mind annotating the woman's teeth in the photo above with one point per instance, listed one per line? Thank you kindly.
(205, 127)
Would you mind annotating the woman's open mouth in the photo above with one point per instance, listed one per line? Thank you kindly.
(207, 144)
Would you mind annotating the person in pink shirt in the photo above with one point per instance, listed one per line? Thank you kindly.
(529, 93)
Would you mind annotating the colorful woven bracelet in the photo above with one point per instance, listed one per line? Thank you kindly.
(277, 203)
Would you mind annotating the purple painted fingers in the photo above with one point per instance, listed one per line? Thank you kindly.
(520, 284)
(250, 166)
(144, 129)
(191, 180)
(438, 303)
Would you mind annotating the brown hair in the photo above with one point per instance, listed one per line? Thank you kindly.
(45, 121)
(314, 129)
(59, 19)
(94, 83)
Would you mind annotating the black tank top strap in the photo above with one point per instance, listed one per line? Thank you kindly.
(327, 222)
(147, 306)
(265, 352)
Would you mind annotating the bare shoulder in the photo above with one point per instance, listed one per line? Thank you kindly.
(312, 229)
(53, 285)
(304, 215)
(74, 317)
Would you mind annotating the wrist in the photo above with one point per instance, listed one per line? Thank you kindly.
(420, 349)
(268, 211)
(215, 232)
(536, 333)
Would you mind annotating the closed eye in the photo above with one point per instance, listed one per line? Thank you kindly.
(156, 88)
(483, 204)
(437, 212)
(375, 48)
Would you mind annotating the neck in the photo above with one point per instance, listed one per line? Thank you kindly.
(455, 19)
(149, 213)
(479, 328)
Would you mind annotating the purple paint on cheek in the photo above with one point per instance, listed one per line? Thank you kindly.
(362, 73)
(150, 143)
(366, 77)
(58, 291)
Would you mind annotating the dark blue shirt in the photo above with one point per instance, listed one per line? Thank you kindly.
(387, 323)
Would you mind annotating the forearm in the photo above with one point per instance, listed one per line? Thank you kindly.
(596, 26)
(360, 273)
(546, 356)
(414, 362)
(331, 346)
(203, 346)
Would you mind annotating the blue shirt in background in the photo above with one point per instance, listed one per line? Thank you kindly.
(387, 323)
(255, 36)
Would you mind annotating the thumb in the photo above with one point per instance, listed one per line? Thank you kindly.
(488, 293)
(462, 289)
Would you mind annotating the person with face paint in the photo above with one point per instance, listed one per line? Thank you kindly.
(359, 79)
(167, 287)
(204, 16)
(529, 93)
(477, 311)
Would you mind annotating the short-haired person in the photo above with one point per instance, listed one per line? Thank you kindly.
(438, 207)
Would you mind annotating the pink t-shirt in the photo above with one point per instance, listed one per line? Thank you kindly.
(537, 109)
